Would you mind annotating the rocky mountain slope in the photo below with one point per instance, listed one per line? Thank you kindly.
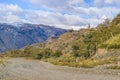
(16, 36)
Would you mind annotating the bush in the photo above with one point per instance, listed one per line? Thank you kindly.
(27, 51)
(15, 53)
(39, 55)
(47, 53)
(67, 58)
(56, 53)
(70, 30)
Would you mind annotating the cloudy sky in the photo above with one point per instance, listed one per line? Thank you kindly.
(61, 13)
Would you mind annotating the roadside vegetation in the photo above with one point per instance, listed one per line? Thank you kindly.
(114, 67)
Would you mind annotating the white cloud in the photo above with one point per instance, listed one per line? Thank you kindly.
(109, 1)
(76, 2)
(63, 21)
(103, 3)
(13, 9)
(66, 6)
(65, 13)
(10, 13)
(52, 4)
(56, 19)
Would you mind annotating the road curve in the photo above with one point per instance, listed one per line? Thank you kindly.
(22, 69)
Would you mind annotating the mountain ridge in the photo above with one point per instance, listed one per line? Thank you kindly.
(16, 37)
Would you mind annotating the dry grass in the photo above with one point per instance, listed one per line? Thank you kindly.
(85, 63)
(114, 67)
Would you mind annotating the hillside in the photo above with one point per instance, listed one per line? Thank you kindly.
(16, 36)
(77, 48)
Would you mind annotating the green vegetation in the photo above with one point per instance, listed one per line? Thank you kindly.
(114, 67)
(68, 60)
(3, 60)
(77, 48)
(112, 43)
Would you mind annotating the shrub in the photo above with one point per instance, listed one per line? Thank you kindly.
(56, 53)
(27, 51)
(67, 58)
(46, 52)
(15, 53)
(39, 55)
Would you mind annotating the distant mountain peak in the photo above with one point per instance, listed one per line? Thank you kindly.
(18, 35)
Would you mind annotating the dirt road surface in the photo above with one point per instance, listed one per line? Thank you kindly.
(22, 69)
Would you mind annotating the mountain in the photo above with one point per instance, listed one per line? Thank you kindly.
(16, 36)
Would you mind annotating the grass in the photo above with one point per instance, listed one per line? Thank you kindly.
(85, 63)
(89, 63)
(114, 67)
(113, 43)
(3, 59)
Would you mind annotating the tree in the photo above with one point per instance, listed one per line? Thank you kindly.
(75, 48)
(91, 46)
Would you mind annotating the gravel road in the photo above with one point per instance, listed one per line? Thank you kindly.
(22, 69)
